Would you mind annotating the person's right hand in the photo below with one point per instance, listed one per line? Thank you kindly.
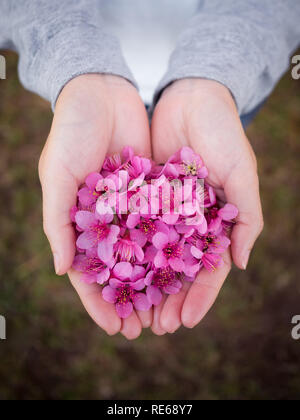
(95, 115)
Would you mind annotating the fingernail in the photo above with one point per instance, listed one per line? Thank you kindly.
(56, 262)
(175, 329)
(171, 329)
(246, 259)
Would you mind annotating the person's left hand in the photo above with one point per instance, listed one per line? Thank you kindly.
(202, 114)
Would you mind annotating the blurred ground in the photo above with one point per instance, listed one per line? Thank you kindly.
(242, 350)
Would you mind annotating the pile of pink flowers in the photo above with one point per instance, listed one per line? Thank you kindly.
(143, 229)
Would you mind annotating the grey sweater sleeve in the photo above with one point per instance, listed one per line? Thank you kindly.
(243, 44)
(58, 40)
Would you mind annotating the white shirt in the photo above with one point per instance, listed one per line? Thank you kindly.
(147, 31)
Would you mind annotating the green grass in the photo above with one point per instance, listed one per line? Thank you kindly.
(242, 350)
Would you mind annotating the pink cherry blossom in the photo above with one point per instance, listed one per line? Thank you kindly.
(127, 247)
(97, 232)
(169, 249)
(215, 216)
(159, 281)
(88, 194)
(124, 289)
(188, 163)
(208, 249)
(143, 229)
(92, 268)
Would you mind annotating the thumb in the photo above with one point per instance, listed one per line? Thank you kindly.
(242, 190)
(59, 195)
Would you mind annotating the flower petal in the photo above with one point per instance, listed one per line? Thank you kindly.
(92, 180)
(162, 227)
(212, 261)
(141, 302)
(148, 278)
(138, 236)
(124, 310)
(154, 295)
(103, 276)
(109, 294)
(196, 252)
(160, 240)
(139, 253)
(202, 228)
(202, 172)
(102, 208)
(228, 212)
(115, 283)
(138, 285)
(222, 243)
(185, 230)
(170, 218)
(123, 270)
(91, 252)
(187, 154)
(173, 235)
(86, 240)
(112, 237)
(133, 220)
(138, 273)
(215, 224)
(80, 263)
(86, 197)
(160, 260)
(192, 270)
(105, 218)
(177, 264)
(105, 252)
(150, 253)
(190, 279)
(171, 290)
(146, 166)
(85, 219)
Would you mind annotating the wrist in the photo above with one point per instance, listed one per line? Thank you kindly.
(192, 86)
(92, 85)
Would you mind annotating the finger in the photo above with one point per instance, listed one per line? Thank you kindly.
(146, 318)
(166, 137)
(59, 195)
(166, 140)
(203, 293)
(170, 318)
(103, 313)
(132, 128)
(242, 190)
(60, 187)
(156, 326)
(131, 327)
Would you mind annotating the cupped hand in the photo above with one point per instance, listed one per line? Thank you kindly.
(202, 114)
(94, 115)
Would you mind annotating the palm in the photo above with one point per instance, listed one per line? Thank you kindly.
(192, 114)
(87, 125)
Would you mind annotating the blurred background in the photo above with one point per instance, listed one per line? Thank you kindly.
(242, 350)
